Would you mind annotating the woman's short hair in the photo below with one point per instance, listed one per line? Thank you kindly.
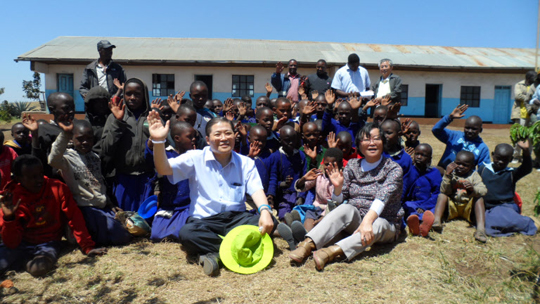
(366, 131)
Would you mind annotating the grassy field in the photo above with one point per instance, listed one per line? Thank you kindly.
(446, 268)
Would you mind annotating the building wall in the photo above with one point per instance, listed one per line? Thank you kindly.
(222, 84)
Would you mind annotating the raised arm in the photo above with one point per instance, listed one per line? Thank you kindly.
(158, 135)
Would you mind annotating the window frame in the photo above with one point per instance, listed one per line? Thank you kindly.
(158, 82)
(242, 85)
(471, 96)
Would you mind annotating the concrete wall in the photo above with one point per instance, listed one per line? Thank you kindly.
(222, 84)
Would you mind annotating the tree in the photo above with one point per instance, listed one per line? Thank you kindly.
(31, 87)
(1, 91)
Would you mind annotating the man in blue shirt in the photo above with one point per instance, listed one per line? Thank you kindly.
(351, 79)
(219, 179)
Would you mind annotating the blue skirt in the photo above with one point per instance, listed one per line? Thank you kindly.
(130, 190)
(164, 227)
(103, 228)
(505, 220)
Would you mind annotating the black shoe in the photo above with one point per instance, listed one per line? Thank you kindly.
(298, 231)
(210, 264)
(295, 216)
(287, 234)
(288, 219)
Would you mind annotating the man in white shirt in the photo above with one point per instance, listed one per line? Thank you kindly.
(219, 179)
(351, 79)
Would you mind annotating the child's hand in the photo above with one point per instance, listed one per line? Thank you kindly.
(338, 102)
(405, 125)
(287, 182)
(241, 129)
(335, 175)
(410, 151)
(330, 96)
(309, 108)
(97, 251)
(458, 111)
(393, 110)
(355, 103)
(228, 105)
(119, 85)
(179, 96)
(229, 115)
(254, 149)
(268, 88)
(524, 144)
(66, 128)
(332, 142)
(311, 153)
(468, 185)
(312, 174)
(385, 101)
(450, 168)
(302, 92)
(118, 108)
(173, 103)
(156, 104)
(7, 206)
(280, 123)
(242, 109)
(158, 131)
(314, 94)
(30, 123)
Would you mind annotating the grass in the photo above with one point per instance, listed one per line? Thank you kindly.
(446, 268)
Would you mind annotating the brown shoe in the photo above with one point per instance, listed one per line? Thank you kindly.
(427, 222)
(414, 224)
(302, 251)
(325, 255)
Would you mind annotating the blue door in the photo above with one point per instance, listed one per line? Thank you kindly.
(502, 105)
(65, 83)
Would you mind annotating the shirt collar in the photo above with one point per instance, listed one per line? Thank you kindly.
(490, 167)
(366, 166)
(387, 78)
(283, 151)
(209, 156)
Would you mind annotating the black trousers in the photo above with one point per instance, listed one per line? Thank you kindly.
(201, 236)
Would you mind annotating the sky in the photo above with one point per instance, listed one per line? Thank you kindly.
(472, 23)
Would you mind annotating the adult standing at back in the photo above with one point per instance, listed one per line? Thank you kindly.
(523, 92)
(388, 85)
(103, 71)
(287, 84)
(319, 81)
(351, 79)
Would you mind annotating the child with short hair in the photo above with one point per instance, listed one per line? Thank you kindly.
(455, 141)
(284, 115)
(411, 135)
(461, 195)
(257, 150)
(265, 119)
(420, 200)
(347, 116)
(287, 165)
(503, 216)
(34, 211)
(343, 141)
(311, 136)
(173, 199)
(7, 156)
(80, 168)
(188, 114)
(21, 142)
(218, 106)
(392, 149)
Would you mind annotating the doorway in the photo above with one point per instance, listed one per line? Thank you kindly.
(502, 104)
(208, 80)
(433, 100)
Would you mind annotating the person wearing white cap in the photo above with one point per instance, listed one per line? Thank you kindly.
(103, 71)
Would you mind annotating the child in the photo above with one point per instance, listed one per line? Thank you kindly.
(311, 137)
(21, 142)
(462, 191)
(456, 141)
(81, 170)
(62, 107)
(392, 149)
(321, 107)
(218, 106)
(265, 119)
(411, 135)
(343, 141)
(97, 109)
(503, 216)
(7, 156)
(34, 212)
(347, 117)
(188, 114)
(257, 150)
(284, 115)
(198, 92)
(173, 199)
(287, 165)
(123, 142)
(262, 102)
(379, 115)
(420, 200)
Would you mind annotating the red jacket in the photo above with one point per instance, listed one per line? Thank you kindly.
(41, 216)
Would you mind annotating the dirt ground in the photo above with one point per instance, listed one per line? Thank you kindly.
(445, 268)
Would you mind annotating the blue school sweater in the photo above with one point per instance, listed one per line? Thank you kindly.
(329, 124)
(272, 142)
(173, 196)
(262, 162)
(423, 192)
(282, 166)
(455, 141)
(404, 160)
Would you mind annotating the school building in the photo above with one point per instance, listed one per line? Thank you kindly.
(435, 78)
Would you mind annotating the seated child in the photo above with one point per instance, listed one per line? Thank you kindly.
(503, 216)
(287, 165)
(420, 200)
(392, 149)
(321, 107)
(379, 115)
(347, 119)
(34, 211)
(312, 147)
(411, 135)
(80, 168)
(122, 145)
(265, 118)
(21, 142)
(218, 106)
(96, 104)
(257, 150)
(173, 199)
(461, 195)
(343, 141)
(262, 102)
(188, 114)
(7, 156)
(456, 141)
(284, 115)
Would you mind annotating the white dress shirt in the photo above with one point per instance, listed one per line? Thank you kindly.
(350, 81)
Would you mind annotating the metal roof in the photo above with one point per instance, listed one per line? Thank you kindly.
(261, 52)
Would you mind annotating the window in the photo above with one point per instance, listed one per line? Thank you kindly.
(470, 96)
(404, 94)
(162, 84)
(242, 85)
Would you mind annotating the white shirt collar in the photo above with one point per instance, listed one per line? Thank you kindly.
(283, 151)
(367, 166)
(209, 156)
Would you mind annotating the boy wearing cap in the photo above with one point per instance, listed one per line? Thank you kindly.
(102, 71)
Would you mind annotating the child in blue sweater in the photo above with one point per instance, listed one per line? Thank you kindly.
(287, 165)
(173, 199)
(420, 200)
(455, 141)
(392, 149)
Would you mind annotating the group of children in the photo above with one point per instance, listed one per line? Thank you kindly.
(106, 165)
